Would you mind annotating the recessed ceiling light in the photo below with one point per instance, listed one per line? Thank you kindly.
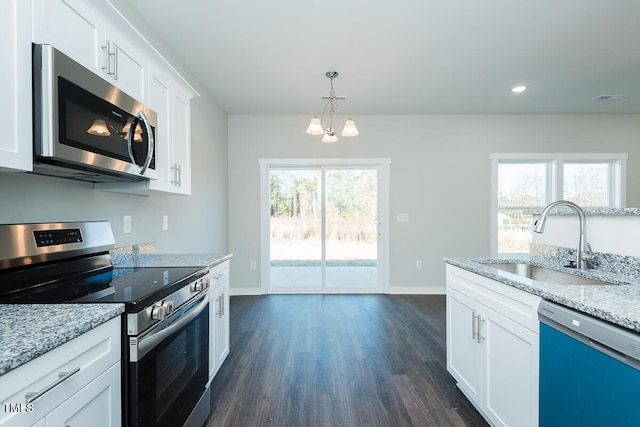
(519, 89)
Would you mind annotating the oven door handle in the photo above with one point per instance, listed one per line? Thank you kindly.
(146, 344)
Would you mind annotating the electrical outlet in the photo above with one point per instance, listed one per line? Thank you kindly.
(252, 265)
(403, 218)
(126, 224)
(419, 265)
(165, 222)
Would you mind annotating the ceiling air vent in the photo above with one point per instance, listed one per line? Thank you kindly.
(610, 98)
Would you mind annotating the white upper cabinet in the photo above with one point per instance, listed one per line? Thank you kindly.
(127, 58)
(95, 35)
(74, 27)
(170, 97)
(15, 87)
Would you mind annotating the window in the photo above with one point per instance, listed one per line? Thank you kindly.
(522, 182)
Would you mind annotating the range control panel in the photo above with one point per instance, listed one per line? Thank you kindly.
(57, 237)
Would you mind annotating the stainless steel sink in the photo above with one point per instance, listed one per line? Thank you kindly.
(542, 274)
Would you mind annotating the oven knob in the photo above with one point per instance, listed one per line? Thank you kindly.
(197, 286)
(169, 306)
(158, 312)
(206, 283)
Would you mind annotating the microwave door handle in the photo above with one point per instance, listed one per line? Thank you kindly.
(150, 143)
(132, 129)
(141, 117)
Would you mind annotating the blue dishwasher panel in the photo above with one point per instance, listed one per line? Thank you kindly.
(582, 387)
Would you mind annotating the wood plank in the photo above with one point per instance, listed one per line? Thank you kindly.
(338, 360)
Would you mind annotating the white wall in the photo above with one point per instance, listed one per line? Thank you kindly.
(197, 223)
(607, 234)
(440, 176)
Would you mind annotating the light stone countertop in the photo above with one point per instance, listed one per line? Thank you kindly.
(167, 260)
(30, 330)
(561, 210)
(618, 303)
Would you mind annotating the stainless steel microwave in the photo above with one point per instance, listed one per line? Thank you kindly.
(84, 127)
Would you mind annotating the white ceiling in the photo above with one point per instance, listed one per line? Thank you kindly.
(407, 56)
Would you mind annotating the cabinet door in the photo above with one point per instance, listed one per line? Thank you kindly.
(15, 86)
(510, 371)
(74, 27)
(181, 141)
(222, 325)
(128, 58)
(464, 353)
(160, 97)
(213, 318)
(96, 405)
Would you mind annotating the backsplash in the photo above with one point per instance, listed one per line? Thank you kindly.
(605, 262)
(126, 254)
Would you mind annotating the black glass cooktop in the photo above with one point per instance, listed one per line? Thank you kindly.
(135, 287)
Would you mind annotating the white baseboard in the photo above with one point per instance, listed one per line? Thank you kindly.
(244, 291)
(416, 290)
(393, 290)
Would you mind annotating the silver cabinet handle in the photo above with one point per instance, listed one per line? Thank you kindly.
(107, 58)
(474, 328)
(179, 166)
(223, 304)
(115, 62)
(63, 376)
(174, 173)
(480, 323)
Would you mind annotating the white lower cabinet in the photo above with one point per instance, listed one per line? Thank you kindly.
(96, 405)
(218, 317)
(493, 346)
(75, 384)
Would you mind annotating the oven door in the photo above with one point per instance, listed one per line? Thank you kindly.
(168, 367)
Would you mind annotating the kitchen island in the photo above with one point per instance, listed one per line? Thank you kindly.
(618, 303)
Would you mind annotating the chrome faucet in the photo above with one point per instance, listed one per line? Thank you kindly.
(584, 249)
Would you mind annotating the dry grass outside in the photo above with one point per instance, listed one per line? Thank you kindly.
(514, 241)
(299, 239)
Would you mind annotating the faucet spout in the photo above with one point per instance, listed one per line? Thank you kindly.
(584, 253)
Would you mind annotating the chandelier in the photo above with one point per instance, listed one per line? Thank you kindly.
(317, 126)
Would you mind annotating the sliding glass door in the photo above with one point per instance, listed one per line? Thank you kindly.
(324, 228)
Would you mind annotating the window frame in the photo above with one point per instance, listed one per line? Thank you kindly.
(554, 182)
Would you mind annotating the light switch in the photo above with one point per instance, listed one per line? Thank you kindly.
(403, 218)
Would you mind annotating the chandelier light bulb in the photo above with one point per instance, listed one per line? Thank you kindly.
(315, 126)
(350, 128)
(329, 137)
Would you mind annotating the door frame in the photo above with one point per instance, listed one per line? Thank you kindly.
(381, 164)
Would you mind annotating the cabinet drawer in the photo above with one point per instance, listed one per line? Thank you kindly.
(81, 360)
(219, 274)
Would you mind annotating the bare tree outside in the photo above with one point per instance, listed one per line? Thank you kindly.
(522, 186)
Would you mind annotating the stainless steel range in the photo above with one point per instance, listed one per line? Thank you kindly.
(166, 321)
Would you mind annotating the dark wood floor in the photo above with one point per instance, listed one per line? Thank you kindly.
(338, 360)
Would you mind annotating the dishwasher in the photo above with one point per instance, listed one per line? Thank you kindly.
(589, 370)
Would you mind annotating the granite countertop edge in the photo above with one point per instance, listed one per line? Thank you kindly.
(589, 211)
(168, 260)
(618, 303)
(28, 331)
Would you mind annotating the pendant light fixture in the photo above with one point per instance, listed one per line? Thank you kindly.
(317, 126)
